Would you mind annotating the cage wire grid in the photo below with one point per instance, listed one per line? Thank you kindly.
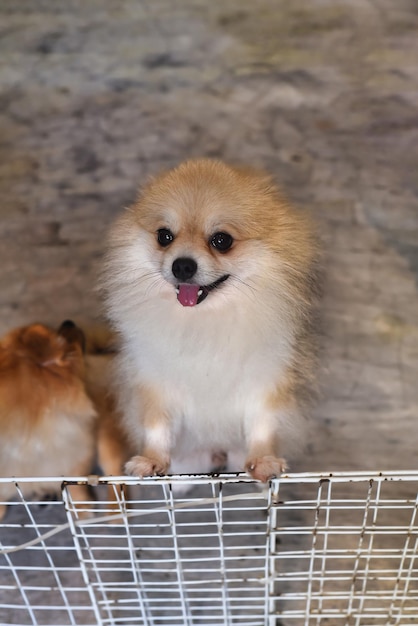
(309, 549)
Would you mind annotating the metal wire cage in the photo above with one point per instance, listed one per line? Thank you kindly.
(308, 550)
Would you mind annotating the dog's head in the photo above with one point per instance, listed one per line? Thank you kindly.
(203, 231)
(41, 374)
(40, 346)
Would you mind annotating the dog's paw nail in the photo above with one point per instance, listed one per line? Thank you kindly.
(264, 468)
(143, 466)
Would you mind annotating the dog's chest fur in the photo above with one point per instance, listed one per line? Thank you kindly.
(213, 371)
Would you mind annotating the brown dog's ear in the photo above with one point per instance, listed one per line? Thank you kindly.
(72, 334)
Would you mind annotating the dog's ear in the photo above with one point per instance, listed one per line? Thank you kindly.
(72, 334)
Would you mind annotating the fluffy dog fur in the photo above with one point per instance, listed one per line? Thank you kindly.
(46, 418)
(210, 280)
(112, 446)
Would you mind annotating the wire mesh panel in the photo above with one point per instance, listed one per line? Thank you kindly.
(178, 558)
(309, 550)
(180, 551)
(344, 550)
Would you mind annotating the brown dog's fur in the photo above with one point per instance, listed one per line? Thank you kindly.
(57, 414)
(112, 447)
(46, 417)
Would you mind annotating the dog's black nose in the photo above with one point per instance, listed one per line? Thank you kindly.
(184, 268)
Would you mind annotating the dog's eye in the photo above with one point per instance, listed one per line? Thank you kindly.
(221, 241)
(164, 237)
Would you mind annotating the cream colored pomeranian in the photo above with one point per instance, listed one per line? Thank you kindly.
(210, 279)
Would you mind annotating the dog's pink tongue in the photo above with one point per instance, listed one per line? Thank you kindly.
(187, 294)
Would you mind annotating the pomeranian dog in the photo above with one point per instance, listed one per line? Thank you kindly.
(47, 420)
(211, 281)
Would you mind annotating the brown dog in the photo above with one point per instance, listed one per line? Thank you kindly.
(47, 420)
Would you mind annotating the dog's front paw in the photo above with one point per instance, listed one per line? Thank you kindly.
(265, 467)
(144, 466)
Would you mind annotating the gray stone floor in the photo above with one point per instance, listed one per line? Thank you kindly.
(96, 95)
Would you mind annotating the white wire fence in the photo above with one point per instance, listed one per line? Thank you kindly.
(308, 550)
